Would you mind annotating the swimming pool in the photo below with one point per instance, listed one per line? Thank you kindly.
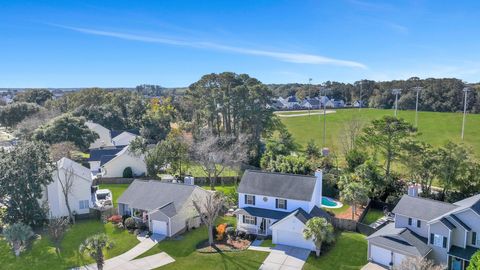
(328, 202)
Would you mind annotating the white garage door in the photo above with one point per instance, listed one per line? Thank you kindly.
(292, 239)
(159, 227)
(380, 255)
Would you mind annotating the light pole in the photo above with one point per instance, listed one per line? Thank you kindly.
(465, 90)
(417, 89)
(396, 92)
(309, 93)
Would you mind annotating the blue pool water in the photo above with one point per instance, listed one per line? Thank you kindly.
(329, 202)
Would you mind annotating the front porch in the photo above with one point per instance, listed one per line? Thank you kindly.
(257, 221)
(459, 258)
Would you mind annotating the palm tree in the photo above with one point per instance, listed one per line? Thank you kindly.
(320, 231)
(94, 246)
(354, 193)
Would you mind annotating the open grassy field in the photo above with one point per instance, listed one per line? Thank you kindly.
(434, 127)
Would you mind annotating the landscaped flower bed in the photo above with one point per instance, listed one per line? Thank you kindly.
(224, 246)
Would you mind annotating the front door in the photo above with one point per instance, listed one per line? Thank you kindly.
(457, 264)
(263, 227)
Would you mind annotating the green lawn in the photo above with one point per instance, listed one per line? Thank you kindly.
(267, 243)
(116, 189)
(372, 216)
(41, 255)
(434, 127)
(184, 252)
(348, 253)
(226, 189)
(197, 171)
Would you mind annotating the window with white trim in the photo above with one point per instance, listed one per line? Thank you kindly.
(250, 199)
(281, 204)
(437, 240)
(249, 220)
(83, 204)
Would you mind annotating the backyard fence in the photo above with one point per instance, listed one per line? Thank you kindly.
(226, 180)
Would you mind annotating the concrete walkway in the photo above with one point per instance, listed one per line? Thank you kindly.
(126, 260)
(283, 257)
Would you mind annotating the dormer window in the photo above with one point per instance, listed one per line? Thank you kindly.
(281, 204)
(250, 199)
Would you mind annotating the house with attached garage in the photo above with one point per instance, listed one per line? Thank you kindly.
(165, 208)
(448, 234)
(279, 205)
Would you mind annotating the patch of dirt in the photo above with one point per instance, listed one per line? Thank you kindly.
(347, 214)
(223, 246)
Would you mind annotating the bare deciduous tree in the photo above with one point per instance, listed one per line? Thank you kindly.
(66, 178)
(214, 153)
(25, 128)
(208, 209)
(349, 134)
(56, 230)
(63, 149)
(417, 263)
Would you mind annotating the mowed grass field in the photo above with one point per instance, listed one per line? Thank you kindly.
(435, 128)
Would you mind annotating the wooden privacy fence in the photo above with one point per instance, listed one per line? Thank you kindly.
(227, 180)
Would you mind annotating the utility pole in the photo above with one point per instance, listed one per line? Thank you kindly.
(309, 93)
(465, 90)
(417, 89)
(396, 92)
(324, 116)
(360, 97)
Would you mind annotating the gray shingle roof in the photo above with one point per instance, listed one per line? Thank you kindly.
(289, 186)
(260, 212)
(401, 240)
(421, 208)
(463, 253)
(447, 223)
(153, 194)
(465, 226)
(96, 154)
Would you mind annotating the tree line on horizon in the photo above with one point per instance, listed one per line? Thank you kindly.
(438, 95)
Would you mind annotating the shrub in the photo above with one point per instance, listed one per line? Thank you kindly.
(221, 231)
(18, 235)
(120, 226)
(130, 223)
(127, 172)
(115, 219)
(230, 232)
(241, 234)
(136, 232)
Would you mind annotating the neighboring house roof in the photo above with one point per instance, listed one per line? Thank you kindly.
(97, 153)
(77, 168)
(155, 195)
(292, 99)
(115, 133)
(262, 212)
(123, 136)
(106, 158)
(277, 185)
(401, 240)
(421, 208)
(462, 253)
(471, 202)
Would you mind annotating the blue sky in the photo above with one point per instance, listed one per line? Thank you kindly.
(173, 43)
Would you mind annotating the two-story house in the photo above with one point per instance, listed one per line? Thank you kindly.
(448, 234)
(279, 205)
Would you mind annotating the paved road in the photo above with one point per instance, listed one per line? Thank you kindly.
(285, 258)
(126, 260)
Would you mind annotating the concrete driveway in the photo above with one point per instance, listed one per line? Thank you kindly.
(126, 261)
(285, 258)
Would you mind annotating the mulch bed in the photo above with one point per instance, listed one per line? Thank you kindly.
(223, 246)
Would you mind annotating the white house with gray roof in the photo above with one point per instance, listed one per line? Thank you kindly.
(448, 234)
(166, 208)
(279, 205)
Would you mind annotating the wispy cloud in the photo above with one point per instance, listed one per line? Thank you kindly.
(301, 58)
